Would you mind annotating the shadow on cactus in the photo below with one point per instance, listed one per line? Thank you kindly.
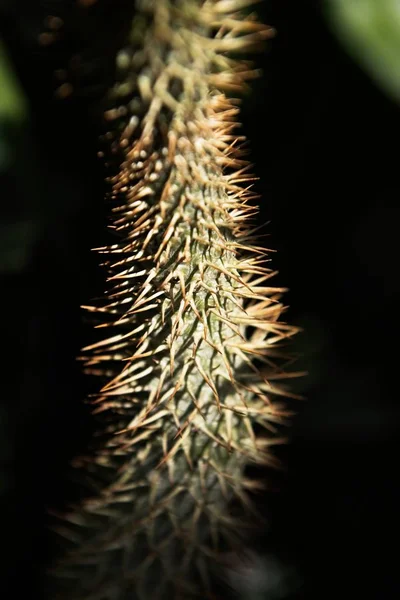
(191, 350)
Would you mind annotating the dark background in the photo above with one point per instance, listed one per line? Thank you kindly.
(324, 142)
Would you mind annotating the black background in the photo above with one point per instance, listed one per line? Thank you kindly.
(324, 142)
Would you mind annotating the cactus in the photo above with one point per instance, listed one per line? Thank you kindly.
(188, 367)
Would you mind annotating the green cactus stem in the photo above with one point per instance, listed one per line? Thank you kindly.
(188, 363)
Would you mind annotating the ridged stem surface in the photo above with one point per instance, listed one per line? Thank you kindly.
(190, 321)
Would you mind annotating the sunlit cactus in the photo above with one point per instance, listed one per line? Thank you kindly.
(192, 333)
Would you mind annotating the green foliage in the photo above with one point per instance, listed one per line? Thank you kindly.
(370, 30)
(13, 104)
(16, 237)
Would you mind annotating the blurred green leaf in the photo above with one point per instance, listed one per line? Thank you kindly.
(370, 30)
(13, 104)
(13, 110)
(18, 233)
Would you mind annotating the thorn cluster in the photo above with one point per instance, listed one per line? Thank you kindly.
(188, 362)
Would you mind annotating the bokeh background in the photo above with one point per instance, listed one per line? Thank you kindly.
(324, 127)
